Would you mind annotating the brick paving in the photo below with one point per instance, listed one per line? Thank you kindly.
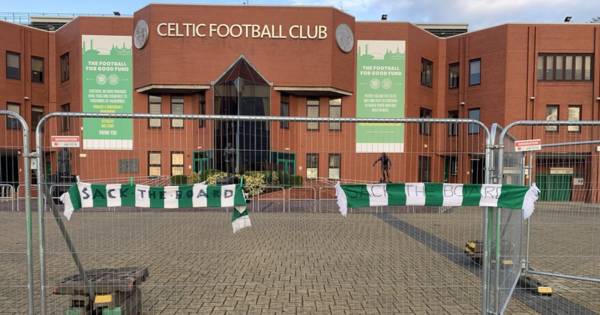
(297, 263)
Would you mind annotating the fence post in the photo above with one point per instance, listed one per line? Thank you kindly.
(28, 220)
(487, 228)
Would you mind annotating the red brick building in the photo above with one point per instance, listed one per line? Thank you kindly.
(296, 64)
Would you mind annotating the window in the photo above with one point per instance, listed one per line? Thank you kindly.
(64, 67)
(540, 68)
(578, 75)
(12, 123)
(202, 110)
(475, 72)
(284, 110)
(66, 122)
(425, 127)
(559, 73)
(177, 109)
(453, 165)
(453, 75)
(37, 69)
(176, 163)
(13, 65)
(426, 72)
(335, 111)
(587, 65)
(128, 166)
(551, 114)
(562, 67)
(568, 68)
(37, 112)
(334, 166)
(154, 105)
(312, 110)
(474, 113)
(450, 167)
(312, 166)
(574, 115)
(549, 70)
(453, 127)
(424, 168)
(154, 164)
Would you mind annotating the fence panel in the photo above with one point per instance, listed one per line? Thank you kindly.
(397, 260)
(16, 262)
(560, 244)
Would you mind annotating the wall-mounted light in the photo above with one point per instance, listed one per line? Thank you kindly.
(384, 17)
(568, 19)
(531, 98)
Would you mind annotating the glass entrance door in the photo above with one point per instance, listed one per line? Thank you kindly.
(242, 145)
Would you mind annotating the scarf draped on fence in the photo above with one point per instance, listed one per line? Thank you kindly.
(437, 195)
(86, 195)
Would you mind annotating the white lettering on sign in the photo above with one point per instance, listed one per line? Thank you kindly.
(256, 31)
(65, 141)
(528, 145)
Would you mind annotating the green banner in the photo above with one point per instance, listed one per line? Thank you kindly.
(107, 75)
(380, 90)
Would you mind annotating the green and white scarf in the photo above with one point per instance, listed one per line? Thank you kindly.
(437, 195)
(86, 195)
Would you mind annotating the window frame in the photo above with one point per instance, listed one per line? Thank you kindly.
(13, 123)
(284, 102)
(65, 68)
(182, 165)
(469, 132)
(574, 128)
(151, 120)
(318, 106)
(567, 63)
(421, 171)
(151, 165)
(335, 126)
(339, 168)
(453, 127)
(202, 109)
(426, 64)
(66, 122)
(36, 108)
(41, 73)
(317, 166)
(552, 128)
(451, 79)
(18, 55)
(425, 127)
(128, 163)
(177, 120)
(471, 62)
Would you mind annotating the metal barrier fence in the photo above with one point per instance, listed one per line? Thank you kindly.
(304, 198)
(7, 196)
(560, 241)
(506, 242)
(16, 259)
(400, 259)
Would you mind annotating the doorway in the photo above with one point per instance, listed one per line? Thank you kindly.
(9, 168)
(242, 145)
(477, 170)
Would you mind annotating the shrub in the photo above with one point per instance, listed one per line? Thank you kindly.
(212, 177)
(254, 183)
(179, 180)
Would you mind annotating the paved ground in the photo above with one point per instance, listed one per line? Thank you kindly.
(389, 263)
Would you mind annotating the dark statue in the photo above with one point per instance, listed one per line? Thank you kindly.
(386, 163)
